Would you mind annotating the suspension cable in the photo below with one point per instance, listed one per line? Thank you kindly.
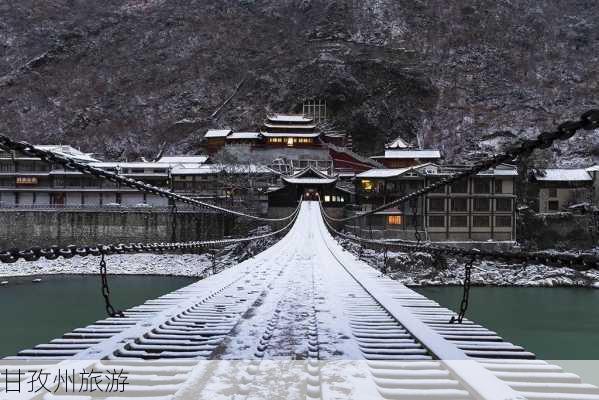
(53, 252)
(54, 158)
(588, 121)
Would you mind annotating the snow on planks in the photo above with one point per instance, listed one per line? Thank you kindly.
(303, 319)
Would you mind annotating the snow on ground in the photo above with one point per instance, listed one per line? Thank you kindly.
(142, 264)
(422, 269)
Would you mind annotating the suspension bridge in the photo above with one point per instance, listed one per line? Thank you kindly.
(304, 318)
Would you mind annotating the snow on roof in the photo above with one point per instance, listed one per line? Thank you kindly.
(382, 172)
(282, 134)
(303, 126)
(593, 168)
(310, 181)
(501, 172)
(558, 174)
(399, 153)
(68, 151)
(243, 135)
(398, 143)
(217, 133)
(228, 168)
(183, 159)
(308, 169)
(289, 118)
(134, 164)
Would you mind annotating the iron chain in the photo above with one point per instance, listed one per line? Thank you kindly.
(106, 290)
(465, 294)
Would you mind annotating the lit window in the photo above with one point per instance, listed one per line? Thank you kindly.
(395, 219)
(327, 199)
(367, 185)
(290, 142)
(26, 180)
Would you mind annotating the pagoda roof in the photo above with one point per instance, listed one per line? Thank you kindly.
(310, 181)
(310, 176)
(283, 126)
(287, 134)
(288, 118)
(398, 143)
(311, 171)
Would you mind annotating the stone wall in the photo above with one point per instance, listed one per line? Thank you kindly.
(559, 230)
(43, 228)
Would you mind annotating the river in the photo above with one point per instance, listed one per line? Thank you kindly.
(554, 323)
(34, 313)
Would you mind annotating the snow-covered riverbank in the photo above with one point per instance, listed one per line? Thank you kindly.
(421, 269)
(147, 264)
(410, 270)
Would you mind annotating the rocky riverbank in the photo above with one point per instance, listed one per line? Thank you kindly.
(421, 269)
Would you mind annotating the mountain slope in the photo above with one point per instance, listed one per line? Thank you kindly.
(124, 77)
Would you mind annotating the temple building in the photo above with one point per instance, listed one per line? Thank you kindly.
(288, 143)
(401, 154)
(309, 184)
(281, 130)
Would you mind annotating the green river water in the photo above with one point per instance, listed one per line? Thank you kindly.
(554, 323)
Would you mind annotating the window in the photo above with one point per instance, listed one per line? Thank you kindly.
(482, 185)
(436, 204)
(503, 221)
(436, 221)
(137, 170)
(6, 167)
(460, 186)
(367, 185)
(503, 204)
(498, 186)
(290, 142)
(459, 204)
(481, 204)
(26, 180)
(395, 219)
(480, 221)
(552, 192)
(327, 198)
(553, 205)
(459, 221)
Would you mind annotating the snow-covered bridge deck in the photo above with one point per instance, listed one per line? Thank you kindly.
(353, 333)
